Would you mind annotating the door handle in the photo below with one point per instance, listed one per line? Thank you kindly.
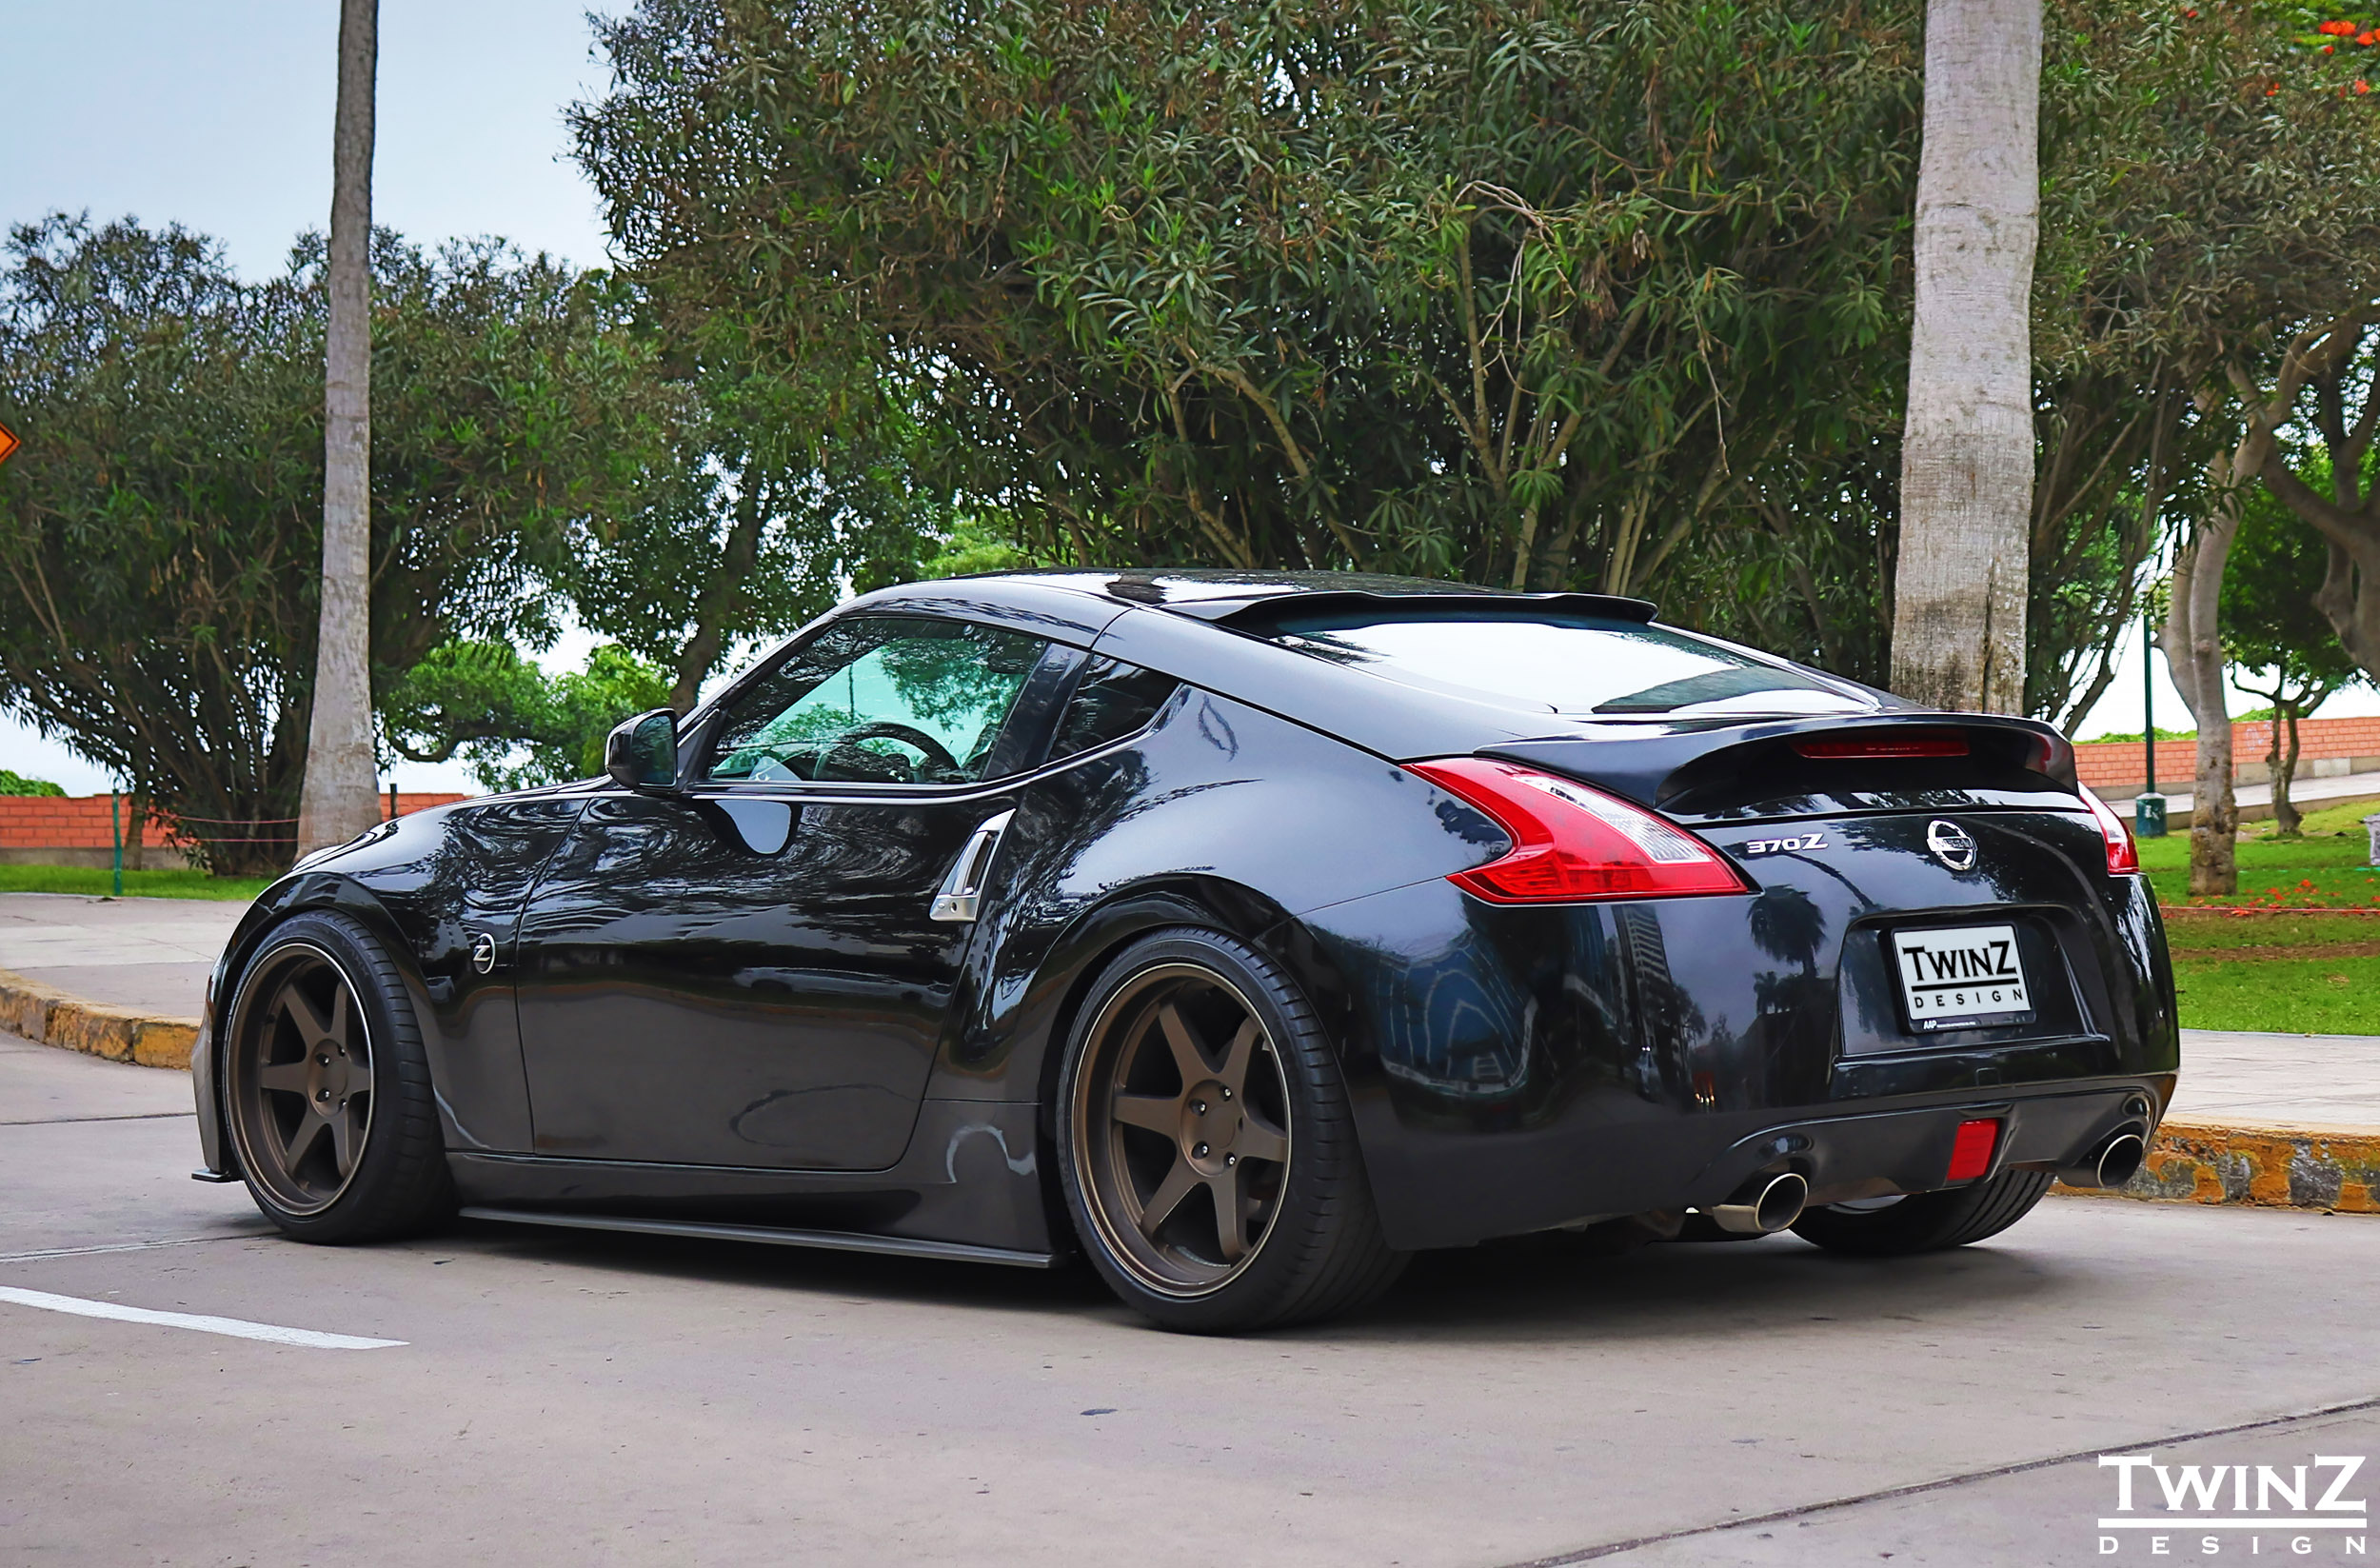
(960, 894)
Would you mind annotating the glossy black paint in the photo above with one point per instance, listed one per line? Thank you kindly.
(730, 1001)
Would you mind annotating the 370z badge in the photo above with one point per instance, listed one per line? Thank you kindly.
(1786, 847)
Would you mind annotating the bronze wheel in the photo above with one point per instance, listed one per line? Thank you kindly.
(1205, 1145)
(1183, 1121)
(298, 1068)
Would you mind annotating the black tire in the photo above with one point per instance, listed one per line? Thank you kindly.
(1316, 1249)
(1926, 1222)
(376, 1167)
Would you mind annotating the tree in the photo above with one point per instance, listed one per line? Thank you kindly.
(485, 702)
(1529, 295)
(1967, 443)
(2271, 623)
(338, 799)
(159, 530)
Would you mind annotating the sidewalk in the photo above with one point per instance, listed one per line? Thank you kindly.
(152, 955)
(2271, 1119)
(2255, 801)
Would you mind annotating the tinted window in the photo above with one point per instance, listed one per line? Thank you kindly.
(1569, 665)
(1111, 700)
(877, 699)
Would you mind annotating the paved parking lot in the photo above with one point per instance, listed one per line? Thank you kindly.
(567, 1397)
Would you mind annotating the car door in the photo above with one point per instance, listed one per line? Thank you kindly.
(749, 971)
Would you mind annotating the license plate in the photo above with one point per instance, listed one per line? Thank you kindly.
(1963, 978)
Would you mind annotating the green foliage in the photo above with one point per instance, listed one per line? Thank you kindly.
(1609, 295)
(1522, 294)
(483, 701)
(159, 530)
(14, 782)
(2270, 622)
(2163, 734)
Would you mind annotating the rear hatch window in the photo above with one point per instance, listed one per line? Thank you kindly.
(1581, 667)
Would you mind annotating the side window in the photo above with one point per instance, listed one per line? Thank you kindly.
(1111, 700)
(877, 699)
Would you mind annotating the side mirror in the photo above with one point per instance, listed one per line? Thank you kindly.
(643, 752)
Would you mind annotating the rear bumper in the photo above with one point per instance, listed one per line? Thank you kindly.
(1515, 1069)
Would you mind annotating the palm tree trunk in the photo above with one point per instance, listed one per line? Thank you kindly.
(1967, 447)
(338, 798)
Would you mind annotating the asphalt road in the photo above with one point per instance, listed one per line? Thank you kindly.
(562, 1398)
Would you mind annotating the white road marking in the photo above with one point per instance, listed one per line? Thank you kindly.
(237, 1328)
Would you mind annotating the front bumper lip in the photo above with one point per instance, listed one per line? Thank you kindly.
(1874, 1153)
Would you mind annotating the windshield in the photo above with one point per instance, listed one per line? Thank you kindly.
(1569, 664)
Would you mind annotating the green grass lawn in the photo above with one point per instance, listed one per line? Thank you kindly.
(2333, 996)
(2325, 869)
(137, 884)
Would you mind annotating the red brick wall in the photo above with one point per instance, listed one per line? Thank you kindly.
(2107, 766)
(81, 822)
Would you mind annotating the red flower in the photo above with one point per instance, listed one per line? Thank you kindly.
(2368, 39)
(2362, 85)
(2337, 29)
(2273, 91)
(2325, 48)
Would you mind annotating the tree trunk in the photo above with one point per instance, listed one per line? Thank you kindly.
(338, 800)
(1967, 445)
(2194, 649)
(2286, 822)
(720, 599)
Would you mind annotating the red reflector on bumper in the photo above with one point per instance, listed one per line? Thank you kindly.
(1971, 1151)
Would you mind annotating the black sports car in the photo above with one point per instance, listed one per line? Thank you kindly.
(1243, 932)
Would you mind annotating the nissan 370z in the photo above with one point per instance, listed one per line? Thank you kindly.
(1242, 934)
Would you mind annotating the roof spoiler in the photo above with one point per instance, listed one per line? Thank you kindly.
(1260, 615)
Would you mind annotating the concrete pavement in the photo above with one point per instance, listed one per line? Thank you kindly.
(565, 1398)
(149, 954)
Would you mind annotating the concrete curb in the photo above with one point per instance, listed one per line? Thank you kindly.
(51, 1016)
(2267, 1164)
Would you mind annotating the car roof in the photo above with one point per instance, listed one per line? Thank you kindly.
(1225, 595)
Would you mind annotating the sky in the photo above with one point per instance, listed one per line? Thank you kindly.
(217, 117)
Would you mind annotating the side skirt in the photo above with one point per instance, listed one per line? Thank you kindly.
(832, 1241)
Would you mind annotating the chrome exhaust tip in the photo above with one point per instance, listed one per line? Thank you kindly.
(1763, 1205)
(2120, 1161)
(2115, 1163)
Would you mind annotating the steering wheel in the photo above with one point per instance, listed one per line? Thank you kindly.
(937, 754)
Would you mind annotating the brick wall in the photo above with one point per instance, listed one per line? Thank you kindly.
(82, 822)
(2117, 767)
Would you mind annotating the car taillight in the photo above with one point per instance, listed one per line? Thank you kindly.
(1570, 843)
(2123, 856)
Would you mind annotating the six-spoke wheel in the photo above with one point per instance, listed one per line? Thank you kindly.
(326, 1089)
(1207, 1151)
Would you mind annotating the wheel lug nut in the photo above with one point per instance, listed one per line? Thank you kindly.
(1226, 1094)
(322, 1094)
(322, 1061)
(1198, 1107)
(1231, 1160)
(1199, 1152)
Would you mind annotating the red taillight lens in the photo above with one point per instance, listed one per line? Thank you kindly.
(1971, 1151)
(1570, 843)
(2123, 855)
(1881, 745)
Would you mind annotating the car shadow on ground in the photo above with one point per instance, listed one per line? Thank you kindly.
(1527, 1291)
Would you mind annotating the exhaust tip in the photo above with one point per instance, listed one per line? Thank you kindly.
(2121, 1160)
(1763, 1205)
